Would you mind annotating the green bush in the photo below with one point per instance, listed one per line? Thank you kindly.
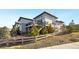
(44, 30)
(72, 27)
(33, 31)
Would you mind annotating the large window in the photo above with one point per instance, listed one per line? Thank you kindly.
(39, 22)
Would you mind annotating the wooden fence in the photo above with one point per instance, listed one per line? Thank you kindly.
(21, 40)
(14, 41)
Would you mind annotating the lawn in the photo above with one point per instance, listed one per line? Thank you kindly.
(50, 41)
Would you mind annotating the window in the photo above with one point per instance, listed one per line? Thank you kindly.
(39, 21)
(28, 24)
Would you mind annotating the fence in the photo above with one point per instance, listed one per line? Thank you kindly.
(22, 39)
(13, 41)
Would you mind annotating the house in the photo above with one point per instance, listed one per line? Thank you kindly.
(44, 18)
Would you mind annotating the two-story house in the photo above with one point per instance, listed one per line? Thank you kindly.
(44, 18)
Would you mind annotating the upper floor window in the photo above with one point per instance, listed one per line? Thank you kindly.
(39, 21)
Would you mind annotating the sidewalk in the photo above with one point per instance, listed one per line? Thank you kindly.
(65, 46)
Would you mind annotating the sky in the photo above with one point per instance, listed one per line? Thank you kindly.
(8, 17)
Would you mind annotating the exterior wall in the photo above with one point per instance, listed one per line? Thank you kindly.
(23, 23)
(23, 27)
(39, 20)
(49, 19)
(45, 19)
(58, 26)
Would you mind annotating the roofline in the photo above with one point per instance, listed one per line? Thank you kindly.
(59, 21)
(46, 13)
(24, 18)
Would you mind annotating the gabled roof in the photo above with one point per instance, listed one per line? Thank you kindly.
(45, 13)
(25, 18)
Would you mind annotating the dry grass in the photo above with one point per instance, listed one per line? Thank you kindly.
(49, 41)
(76, 33)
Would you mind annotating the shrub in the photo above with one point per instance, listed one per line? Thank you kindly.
(14, 31)
(44, 30)
(69, 29)
(72, 27)
(33, 30)
(50, 29)
(4, 33)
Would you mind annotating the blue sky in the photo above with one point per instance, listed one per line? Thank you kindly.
(9, 16)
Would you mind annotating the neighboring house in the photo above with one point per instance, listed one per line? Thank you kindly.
(44, 18)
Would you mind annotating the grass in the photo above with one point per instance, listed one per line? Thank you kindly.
(49, 41)
(75, 33)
